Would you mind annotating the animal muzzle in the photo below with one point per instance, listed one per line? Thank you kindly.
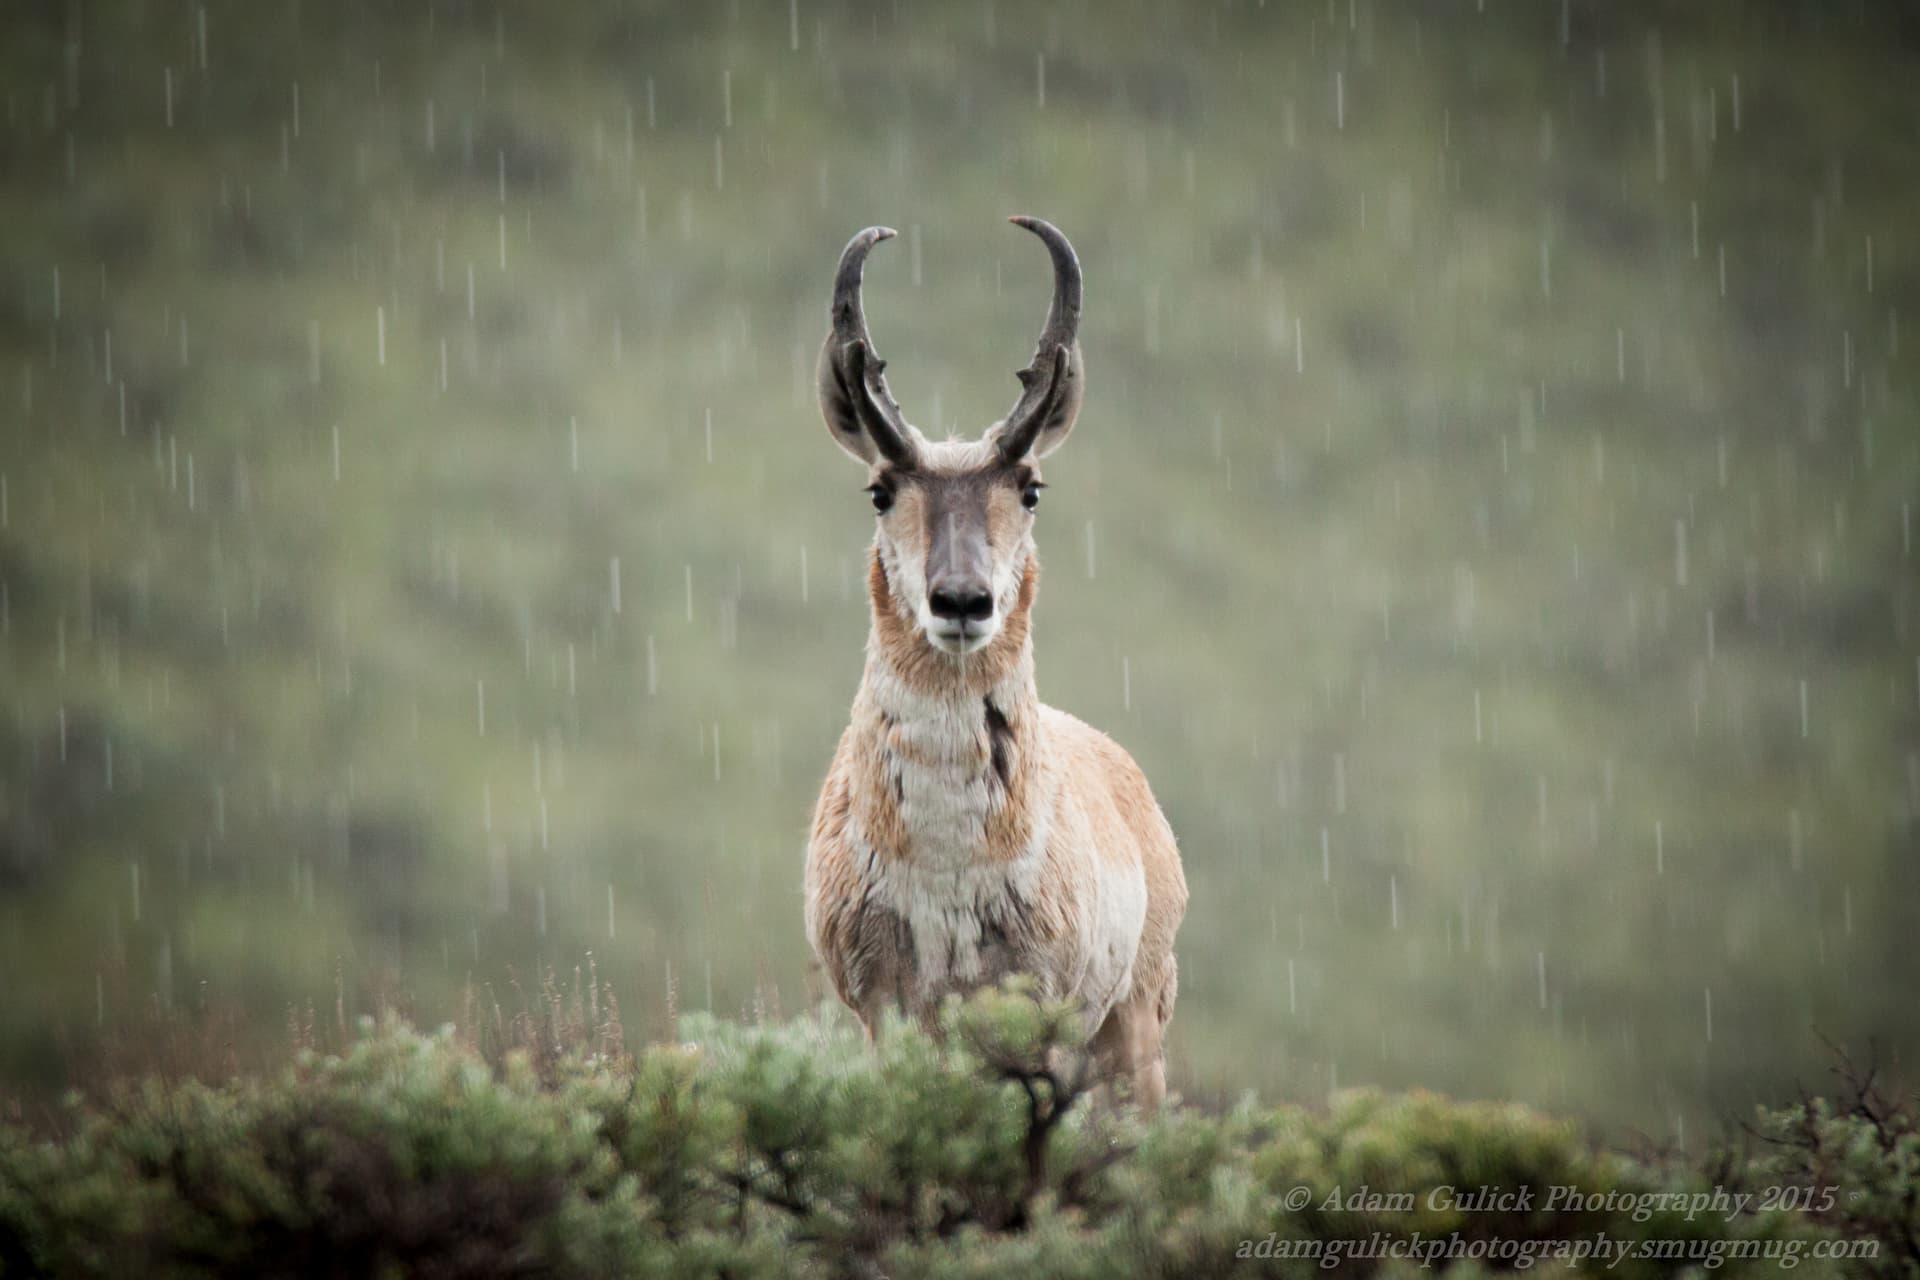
(960, 613)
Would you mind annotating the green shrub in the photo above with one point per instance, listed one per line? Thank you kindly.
(1852, 1163)
(798, 1149)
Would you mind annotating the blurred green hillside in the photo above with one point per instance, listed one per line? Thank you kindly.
(1491, 524)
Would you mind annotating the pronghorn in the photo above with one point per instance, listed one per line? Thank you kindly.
(966, 832)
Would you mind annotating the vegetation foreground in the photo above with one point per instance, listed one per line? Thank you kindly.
(796, 1149)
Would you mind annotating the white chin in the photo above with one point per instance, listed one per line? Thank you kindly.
(949, 639)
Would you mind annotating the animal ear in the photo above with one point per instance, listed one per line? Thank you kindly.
(1053, 416)
(837, 405)
(855, 403)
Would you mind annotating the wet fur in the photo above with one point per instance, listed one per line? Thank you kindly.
(966, 831)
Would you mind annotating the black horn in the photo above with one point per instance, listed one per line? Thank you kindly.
(853, 390)
(1052, 385)
(849, 316)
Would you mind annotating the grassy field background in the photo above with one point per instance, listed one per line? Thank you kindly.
(422, 565)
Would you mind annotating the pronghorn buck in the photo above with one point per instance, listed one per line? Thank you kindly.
(966, 831)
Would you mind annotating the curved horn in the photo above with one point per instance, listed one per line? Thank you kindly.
(849, 316)
(1051, 383)
(1063, 317)
(853, 392)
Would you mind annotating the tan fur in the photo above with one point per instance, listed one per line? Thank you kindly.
(932, 869)
(965, 832)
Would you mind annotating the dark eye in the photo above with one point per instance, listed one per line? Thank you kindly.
(1030, 496)
(882, 498)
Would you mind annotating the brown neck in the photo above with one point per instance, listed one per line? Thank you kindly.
(972, 725)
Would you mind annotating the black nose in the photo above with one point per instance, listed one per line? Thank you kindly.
(961, 601)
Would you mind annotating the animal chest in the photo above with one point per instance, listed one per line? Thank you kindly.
(948, 904)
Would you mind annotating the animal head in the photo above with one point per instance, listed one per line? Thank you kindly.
(955, 517)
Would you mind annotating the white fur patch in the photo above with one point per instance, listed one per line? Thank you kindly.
(946, 888)
(956, 457)
(945, 906)
(1114, 915)
(944, 764)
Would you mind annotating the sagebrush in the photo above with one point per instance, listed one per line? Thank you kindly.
(797, 1149)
